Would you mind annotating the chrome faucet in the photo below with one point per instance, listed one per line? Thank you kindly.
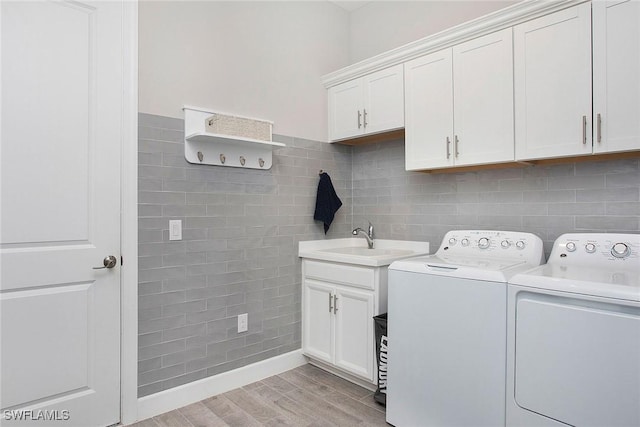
(367, 235)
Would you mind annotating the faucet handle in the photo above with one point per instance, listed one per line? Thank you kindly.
(370, 229)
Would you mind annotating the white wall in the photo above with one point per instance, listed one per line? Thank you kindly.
(258, 59)
(383, 25)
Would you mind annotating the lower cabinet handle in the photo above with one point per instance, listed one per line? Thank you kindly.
(330, 308)
(448, 147)
(359, 122)
(335, 304)
(599, 119)
(584, 130)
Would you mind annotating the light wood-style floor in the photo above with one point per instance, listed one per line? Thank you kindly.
(305, 396)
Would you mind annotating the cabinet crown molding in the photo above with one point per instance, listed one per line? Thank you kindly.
(498, 20)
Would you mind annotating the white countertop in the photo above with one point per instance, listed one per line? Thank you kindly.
(355, 251)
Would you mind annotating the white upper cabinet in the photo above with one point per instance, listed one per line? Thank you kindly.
(616, 76)
(459, 104)
(383, 100)
(345, 110)
(429, 111)
(552, 63)
(534, 81)
(367, 105)
(483, 99)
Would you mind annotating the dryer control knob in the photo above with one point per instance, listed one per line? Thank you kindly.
(520, 244)
(571, 246)
(452, 241)
(483, 243)
(505, 244)
(591, 248)
(464, 242)
(620, 250)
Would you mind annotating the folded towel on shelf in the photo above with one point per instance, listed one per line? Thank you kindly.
(327, 202)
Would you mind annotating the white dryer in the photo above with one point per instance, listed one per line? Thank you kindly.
(447, 329)
(574, 335)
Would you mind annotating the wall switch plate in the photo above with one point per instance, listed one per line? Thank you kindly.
(243, 322)
(175, 229)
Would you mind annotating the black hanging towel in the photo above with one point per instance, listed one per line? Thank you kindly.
(327, 201)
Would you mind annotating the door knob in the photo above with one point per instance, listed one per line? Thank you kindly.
(109, 262)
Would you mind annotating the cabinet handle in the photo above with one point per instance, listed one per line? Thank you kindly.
(456, 140)
(599, 119)
(448, 147)
(365, 117)
(359, 122)
(335, 304)
(330, 308)
(584, 130)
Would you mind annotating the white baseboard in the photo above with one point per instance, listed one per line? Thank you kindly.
(177, 397)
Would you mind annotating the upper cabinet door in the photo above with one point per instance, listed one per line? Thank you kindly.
(346, 110)
(552, 61)
(483, 99)
(429, 111)
(383, 107)
(367, 105)
(616, 75)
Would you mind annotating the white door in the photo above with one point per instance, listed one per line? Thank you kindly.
(354, 349)
(384, 100)
(318, 320)
(429, 111)
(552, 75)
(62, 104)
(616, 75)
(483, 99)
(345, 110)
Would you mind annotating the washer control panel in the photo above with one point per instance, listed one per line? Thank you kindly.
(597, 248)
(493, 244)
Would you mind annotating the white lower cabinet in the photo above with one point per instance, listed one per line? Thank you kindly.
(353, 331)
(338, 315)
(318, 320)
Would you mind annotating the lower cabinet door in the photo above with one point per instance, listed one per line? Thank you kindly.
(318, 319)
(354, 349)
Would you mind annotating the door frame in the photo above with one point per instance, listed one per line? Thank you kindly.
(129, 218)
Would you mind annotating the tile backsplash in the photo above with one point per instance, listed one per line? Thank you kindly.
(241, 230)
(546, 200)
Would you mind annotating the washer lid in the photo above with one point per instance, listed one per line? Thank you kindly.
(580, 279)
(486, 269)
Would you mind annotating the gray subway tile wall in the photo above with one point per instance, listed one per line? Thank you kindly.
(241, 230)
(601, 196)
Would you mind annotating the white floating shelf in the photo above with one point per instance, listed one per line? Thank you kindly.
(205, 148)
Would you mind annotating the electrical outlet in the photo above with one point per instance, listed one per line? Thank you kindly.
(243, 322)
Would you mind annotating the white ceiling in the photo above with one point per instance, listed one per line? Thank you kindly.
(350, 5)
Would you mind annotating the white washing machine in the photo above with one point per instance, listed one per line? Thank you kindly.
(447, 329)
(574, 335)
